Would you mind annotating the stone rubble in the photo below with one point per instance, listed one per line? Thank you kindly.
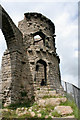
(63, 110)
(39, 115)
(41, 103)
(32, 114)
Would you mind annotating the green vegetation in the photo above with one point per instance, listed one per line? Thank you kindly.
(9, 114)
(33, 97)
(19, 105)
(49, 96)
(56, 114)
(48, 110)
(0, 104)
(50, 89)
(38, 88)
(46, 96)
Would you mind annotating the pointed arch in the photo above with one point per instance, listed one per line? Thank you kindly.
(14, 41)
(9, 29)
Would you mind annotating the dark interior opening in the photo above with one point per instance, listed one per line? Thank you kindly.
(41, 72)
(42, 82)
(37, 67)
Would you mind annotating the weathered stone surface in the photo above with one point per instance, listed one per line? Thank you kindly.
(4, 110)
(63, 110)
(41, 102)
(52, 93)
(46, 116)
(30, 60)
(63, 99)
(21, 111)
(39, 115)
(32, 114)
(72, 116)
(51, 101)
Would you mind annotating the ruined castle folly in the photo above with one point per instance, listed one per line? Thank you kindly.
(39, 41)
(30, 61)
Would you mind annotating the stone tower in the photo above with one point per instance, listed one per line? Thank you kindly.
(30, 61)
(39, 41)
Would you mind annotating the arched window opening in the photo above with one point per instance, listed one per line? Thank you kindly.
(39, 38)
(41, 73)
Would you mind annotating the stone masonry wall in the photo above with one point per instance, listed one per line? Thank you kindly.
(28, 59)
(13, 89)
(37, 24)
(33, 23)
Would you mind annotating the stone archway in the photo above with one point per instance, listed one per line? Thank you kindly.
(41, 72)
(13, 70)
(10, 78)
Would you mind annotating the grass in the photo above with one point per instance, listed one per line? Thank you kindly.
(46, 96)
(49, 96)
(19, 105)
(50, 89)
(38, 88)
(25, 116)
(13, 114)
(79, 115)
(56, 114)
(0, 104)
(26, 104)
(48, 109)
(44, 113)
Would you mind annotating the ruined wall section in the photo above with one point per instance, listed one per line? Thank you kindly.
(27, 79)
(12, 64)
(53, 73)
(16, 86)
(37, 24)
(11, 77)
(6, 78)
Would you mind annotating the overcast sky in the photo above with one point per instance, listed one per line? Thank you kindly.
(65, 17)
